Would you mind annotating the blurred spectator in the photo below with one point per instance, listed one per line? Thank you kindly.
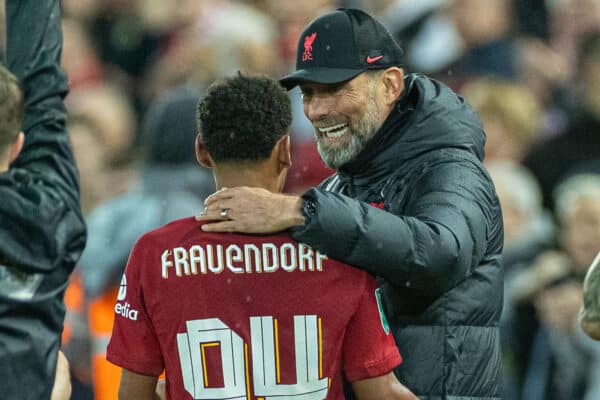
(546, 72)
(571, 22)
(291, 17)
(557, 157)
(109, 109)
(510, 114)
(456, 40)
(528, 231)
(104, 130)
(559, 361)
(89, 149)
(217, 38)
(79, 58)
(532, 18)
(427, 32)
(308, 169)
(171, 187)
(485, 30)
(2, 32)
(550, 66)
(589, 317)
(75, 340)
(559, 365)
(185, 61)
(82, 10)
(102, 126)
(578, 210)
(123, 40)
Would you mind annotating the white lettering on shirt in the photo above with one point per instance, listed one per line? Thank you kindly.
(241, 259)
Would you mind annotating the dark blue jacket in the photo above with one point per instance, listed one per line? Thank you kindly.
(435, 246)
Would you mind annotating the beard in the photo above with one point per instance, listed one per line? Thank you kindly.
(360, 133)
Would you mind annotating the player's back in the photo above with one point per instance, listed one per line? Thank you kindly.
(246, 317)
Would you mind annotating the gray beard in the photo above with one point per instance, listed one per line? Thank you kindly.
(360, 135)
(336, 158)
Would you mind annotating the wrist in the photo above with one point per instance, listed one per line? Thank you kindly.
(295, 204)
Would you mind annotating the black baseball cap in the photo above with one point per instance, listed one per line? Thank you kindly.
(340, 45)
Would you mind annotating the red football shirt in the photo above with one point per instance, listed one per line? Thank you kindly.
(232, 316)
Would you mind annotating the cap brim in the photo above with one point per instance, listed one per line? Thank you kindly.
(318, 75)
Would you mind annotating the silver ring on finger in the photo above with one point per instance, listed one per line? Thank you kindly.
(224, 212)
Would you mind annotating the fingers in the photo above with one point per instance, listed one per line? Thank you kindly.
(240, 209)
(214, 215)
(217, 210)
(224, 226)
(218, 196)
(215, 204)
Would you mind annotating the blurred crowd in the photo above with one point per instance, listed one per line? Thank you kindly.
(530, 67)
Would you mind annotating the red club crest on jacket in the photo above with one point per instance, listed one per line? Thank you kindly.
(379, 205)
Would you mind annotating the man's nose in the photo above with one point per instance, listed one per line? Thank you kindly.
(318, 107)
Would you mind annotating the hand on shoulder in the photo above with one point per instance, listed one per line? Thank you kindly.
(250, 210)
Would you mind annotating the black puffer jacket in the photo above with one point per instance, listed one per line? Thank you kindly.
(436, 245)
(42, 232)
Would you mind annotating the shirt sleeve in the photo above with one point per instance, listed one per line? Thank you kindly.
(369, 347)
(134, 344)
(42, 229)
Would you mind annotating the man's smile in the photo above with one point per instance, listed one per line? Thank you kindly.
(334, 131)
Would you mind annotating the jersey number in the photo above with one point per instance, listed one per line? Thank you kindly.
(202, 333)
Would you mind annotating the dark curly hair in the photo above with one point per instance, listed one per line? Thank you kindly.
(242, 117)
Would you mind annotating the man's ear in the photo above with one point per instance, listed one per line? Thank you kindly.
(202, 154)
(284, 151)
(393, 80)
(16, 147)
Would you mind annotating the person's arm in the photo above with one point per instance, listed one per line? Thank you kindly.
(430, 248)
(134, 345)
(161, 389)
(62, 381)
(40, 193)
(370, 352)
(251, 210)
(382, 387)
(589, 319)
(138, 387)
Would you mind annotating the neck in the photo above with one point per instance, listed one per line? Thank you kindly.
(4, 164)
(253, 175)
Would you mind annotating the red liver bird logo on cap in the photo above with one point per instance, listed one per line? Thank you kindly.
(308, 42)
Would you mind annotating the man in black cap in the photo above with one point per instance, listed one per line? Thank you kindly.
(410, 202)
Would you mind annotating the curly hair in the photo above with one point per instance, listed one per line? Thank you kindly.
(11, 107)
(241, 118)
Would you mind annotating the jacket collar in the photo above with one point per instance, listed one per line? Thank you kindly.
(373, 163)
(428, 117)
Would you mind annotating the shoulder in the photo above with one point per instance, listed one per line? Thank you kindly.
(169, 233)
(439, 118)
(449, 109)
(433, 93)
(330, 182)
(455, 172)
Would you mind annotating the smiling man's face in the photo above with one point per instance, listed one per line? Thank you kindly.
(345, 116)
